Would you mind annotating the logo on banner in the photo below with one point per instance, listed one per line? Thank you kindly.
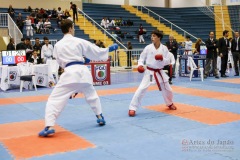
(6, 80)
(100, 71)
(40, 80)
(12, 75)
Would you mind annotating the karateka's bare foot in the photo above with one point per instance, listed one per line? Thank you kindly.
(172, 107)
(131, 113)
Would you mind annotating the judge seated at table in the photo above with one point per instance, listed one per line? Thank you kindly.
(34, 58)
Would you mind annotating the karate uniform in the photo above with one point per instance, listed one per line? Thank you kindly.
(148, 55)
(188, 48)
(47, 52)
(29, 28)
(75, 78)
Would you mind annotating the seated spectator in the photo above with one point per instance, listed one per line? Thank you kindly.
(40, 27)
(120, 22)
(104, 23)
(38, 47)
(59, 11)
(41, 10)
(34, 58)
(11, 11)
(66, 14)
(129, 22)
(108, 22)
(112, 23)
(59, 20)
(39, 15)
(54, 13)
(47, 26)
(48, 12)
(45, 15)
(116, 36)
(10, 45)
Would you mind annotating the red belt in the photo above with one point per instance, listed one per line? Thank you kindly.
(186, 51)
(155, 75)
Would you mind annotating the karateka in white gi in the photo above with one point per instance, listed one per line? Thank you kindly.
(46, 51)
(69, 52)
(188, 46)
(156, 57)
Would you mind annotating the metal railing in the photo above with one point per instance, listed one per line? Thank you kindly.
(51, 41)
(172, 25)
(96, 24)
(134, 55)
(211, 14)
(6, 21)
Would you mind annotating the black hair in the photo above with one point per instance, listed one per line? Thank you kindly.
(225, 32)
(158, 33)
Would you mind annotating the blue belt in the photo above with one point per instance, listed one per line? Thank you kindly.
(74, 63)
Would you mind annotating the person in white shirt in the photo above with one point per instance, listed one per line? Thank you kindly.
(156, 57)
(29, 27)
(34, 58)
(40, 26)
(169, 67)
(59, 11)
(188, 46)
(69, 52)
(46, 51)
(104, 23)
(47, 26)
(112, 23)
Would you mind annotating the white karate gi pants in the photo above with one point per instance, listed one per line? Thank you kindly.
(141, 39)
(60, 95)
(166, 90)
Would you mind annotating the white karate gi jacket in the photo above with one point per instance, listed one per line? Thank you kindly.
(75, 50)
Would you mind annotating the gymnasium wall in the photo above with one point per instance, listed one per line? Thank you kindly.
(47, 4)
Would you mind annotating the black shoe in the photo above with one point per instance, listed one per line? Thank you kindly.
(224, 76)
(236, 75)
(205, 76)
(170, 82)
(216, 76)
(173, 76)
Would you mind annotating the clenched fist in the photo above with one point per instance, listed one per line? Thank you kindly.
(141, 69)
(159, 57)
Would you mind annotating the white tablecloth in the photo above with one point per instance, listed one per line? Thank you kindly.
(10, 76)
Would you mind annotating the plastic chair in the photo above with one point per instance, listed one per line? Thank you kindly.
(26, 74)
(194, 67)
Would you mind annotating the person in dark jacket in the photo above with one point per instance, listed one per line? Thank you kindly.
(211, 44)
(21, 45)
(235, 48)
(129, 54)
(10, 45)
(223, 46)
(172, 46)
(34, 58)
